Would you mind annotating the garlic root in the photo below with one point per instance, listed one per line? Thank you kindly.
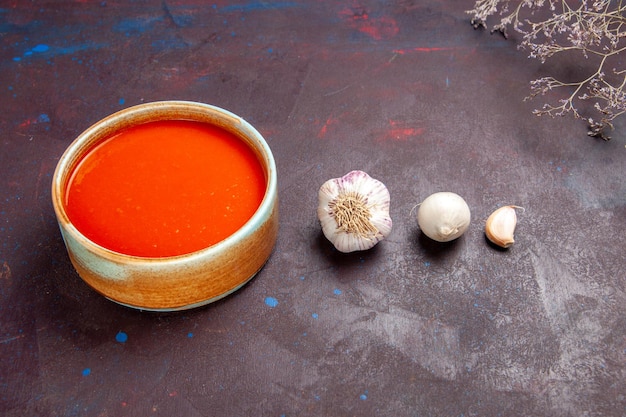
(500, 226)
(354, 211)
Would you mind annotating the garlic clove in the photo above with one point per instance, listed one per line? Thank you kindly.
(500, 226)
(354, 211)
(443, 216)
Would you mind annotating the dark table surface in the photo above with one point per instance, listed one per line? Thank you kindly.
(407, 91)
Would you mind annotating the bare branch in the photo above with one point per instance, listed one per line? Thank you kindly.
(594, 28)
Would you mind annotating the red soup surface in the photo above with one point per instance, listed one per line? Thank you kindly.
(165, 188)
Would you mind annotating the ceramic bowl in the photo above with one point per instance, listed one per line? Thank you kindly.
(177, 282)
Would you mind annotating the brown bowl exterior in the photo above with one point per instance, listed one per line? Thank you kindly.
(178, 282)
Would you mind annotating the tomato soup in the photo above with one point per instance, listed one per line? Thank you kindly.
(165, 188)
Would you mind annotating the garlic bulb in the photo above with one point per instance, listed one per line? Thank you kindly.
(354, 211)
(443, 216)
(500, 226)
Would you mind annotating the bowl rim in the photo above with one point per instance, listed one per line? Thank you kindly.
(145, 112)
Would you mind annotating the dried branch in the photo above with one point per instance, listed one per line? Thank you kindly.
(594, 28)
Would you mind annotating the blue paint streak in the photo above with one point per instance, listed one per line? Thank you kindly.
(41, 48)
(43, 118)
(136, 26)
(314, 315)
(190, 335)
(86, 371)
(121, 337)
(259, 5)
(77, 48)
(337, 291)
(165, 44)
(271, 302)
(58, 51)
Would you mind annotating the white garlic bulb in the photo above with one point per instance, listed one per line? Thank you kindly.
(443, 216)
(500, 226)
(354, 211)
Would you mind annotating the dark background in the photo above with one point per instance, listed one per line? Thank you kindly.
(407, 91)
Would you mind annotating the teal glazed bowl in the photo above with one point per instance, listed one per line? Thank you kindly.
(172, 282)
